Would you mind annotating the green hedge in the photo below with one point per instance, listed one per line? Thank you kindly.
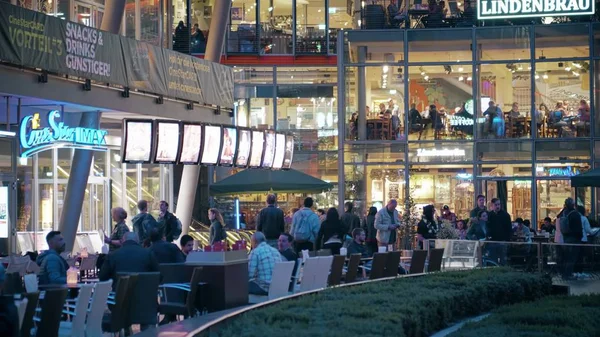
(415, 306)
(560, 316)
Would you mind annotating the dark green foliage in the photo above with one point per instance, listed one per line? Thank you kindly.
(559, 316)
(416, 306)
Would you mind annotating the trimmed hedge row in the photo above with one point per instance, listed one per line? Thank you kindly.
(415, 306)
(561, 316)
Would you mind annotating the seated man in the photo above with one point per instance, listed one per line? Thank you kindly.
(164, 252)
(53, 268)
(284, 244)
(396, 15)
(261, 261)
(130, 258)
(357, 246)
(187, 244)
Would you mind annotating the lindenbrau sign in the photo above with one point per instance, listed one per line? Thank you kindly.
(36, 40)
(512, 9)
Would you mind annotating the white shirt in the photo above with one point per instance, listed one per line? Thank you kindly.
(587, 229)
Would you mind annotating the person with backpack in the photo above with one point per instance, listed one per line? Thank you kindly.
(305, 227)
(143, 222)
(168, 223)
(571, 229)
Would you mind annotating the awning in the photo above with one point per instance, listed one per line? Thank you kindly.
(260, 181)
(587, 179)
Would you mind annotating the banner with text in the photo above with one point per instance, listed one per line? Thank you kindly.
(33, 39)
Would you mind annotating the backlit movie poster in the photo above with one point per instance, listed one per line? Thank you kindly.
(212, 142)
(257, 148)
(244, 149)
(192, 140)
(279, 151)
(289, 152)
(139, 141)
(229, 146)
(168, 143)
(269, 150)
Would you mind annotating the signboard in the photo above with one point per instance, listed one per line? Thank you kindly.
(288, 157)
(36, 40)
(192, 141)
(34, 138)
(245, 141)
(229, 147)
(269, 153)
(167, 142)
(212, 145)
(136, 142)
(513, 9)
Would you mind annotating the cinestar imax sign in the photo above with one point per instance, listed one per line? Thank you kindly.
(512, 9)
(33, 138)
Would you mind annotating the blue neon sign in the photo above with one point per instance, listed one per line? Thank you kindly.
(34, 139)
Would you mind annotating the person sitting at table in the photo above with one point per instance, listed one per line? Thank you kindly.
(548, 226)
(461, 227)
(468, 15)
(357, 246)
(555, 120)
(437, 123)
(436, 15)
(514, 113)
(284, 245)
(583, 126)
(448, 215)
(397, 16)
(130, 258)
(261, 262)
(53, 267)
(527, 223)
(521, 231)
(383, 110)
(415, 119)
(541, 113)
(187, 244)
(164, 252)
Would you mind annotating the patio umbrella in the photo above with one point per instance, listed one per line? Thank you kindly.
(587, 179)
(278, 181)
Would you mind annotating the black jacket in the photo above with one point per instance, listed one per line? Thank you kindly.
(167, 225)
(270, 222)
(350, 222)
(370, 230)
(575, 227)
(130, 258)
(217, 232)
(166, 252)
(499, 226)
(328, 230)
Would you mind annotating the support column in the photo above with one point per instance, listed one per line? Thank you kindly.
(78, 177)
(189, 178)
(362, 93)
(82, 159)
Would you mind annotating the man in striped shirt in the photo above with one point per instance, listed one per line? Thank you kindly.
(261, 261)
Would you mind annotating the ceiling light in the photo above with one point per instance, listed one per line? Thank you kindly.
(461, 78)
(384, 76)
(270, 9)
(469, 78)
(576, 73)
(520, 67)
(577, 65)
(422, 73)
(529, 68)
(537, 77)
(393, 91)
(426, 78)
(385, 69)
(568, 68)
(545, 76)
(460, 69)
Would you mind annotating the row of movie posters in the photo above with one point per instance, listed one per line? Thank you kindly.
(169, 142)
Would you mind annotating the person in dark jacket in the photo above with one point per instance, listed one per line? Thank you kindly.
(9, 316)
(164, 252)
(332, 232)
(53, 268)
(572, 236)
(349, 219)
(427, 228)
(357, 246)
(143, 222)
(217, 226)
(270, 221)
(499, 229)
(167, 222)
(369, 227)
(130, 258)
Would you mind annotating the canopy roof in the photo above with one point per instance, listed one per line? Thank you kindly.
(259, 181)
(588, 179)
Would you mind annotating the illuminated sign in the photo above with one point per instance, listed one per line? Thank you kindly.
(440, 153)
(460, 121)
(512, 9)
(33, 138)
(568, 171)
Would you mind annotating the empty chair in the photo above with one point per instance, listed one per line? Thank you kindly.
(27, 324)
(352, 269)
(378, 266)
(93, 327)
(282, 272)
(391, 264)
(309, 274)
(144, 306)
(31, 283)
(323, 271)
(337, 267)
(116, 320)
(435, 260)
(76, 327)
(187, 309)
(417, 262)
(49, 321)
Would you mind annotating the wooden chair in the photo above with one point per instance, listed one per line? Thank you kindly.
(51, 313)
(417, 262)
(27, 324)
(115, 321)
(187, 309)
(144, 306)
(391, 264)
(435, 260)
(337, 267)
(352, 270)
(93, 326)
(378, 266)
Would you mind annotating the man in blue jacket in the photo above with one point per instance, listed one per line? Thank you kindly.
(53, 268)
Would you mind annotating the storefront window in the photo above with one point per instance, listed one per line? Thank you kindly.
(242, 33)
(363, 50)
(443, 185)
(339, 20)
(562, 151)
(504, 101)
(440, 152)
(439, 46)
(500, 151)
(374, 153)
(503, 43)
(261, 113)
(306, 75)
(180, 32)
(258, 75)
(45, 191)
(449, 88)
(311, 35)
(132, 186)
(385, 182)
(562, 99)
(505, 170)
(25, 196)
(116, 175)
(514, 195)
(6, 155)
(561, 41)
(552, 195)
(151, 188)
(276, 27)
(355, 184)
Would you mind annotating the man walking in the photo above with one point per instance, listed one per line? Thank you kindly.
(305, 227)
(143, 222)
(500, 229)
(167, 222)
(349, 219)
(270, 221)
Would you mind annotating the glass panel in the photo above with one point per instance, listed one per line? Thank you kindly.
(351, 97)
(62, 9)
(310, 27)
(83, 15)
(597, 99)
(132, 191)
(505, 170)
(572, 150)
(116, 175)
(306, 75)
(500, 151)
(151, 187)
(262, 75)
(447, 87)
(503, 43)
(98, 220)
(276, 26)
(505, 101)
(25, 196)
(261, 113)
(562, 41)
(374, 153)
(597, 150)
(242, 33)
(150, 22)
(552, 195)
(181, 33)
(385, 182)
(355, 181)
(6, 155)
(439, 46)
(564, 90)
(440, 152)
(515, 196)
(65, 157)
(130, 19)
(450, 185)
(388, 47)
(46, 207)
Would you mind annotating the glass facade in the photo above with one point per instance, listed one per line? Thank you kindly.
(507, 112)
